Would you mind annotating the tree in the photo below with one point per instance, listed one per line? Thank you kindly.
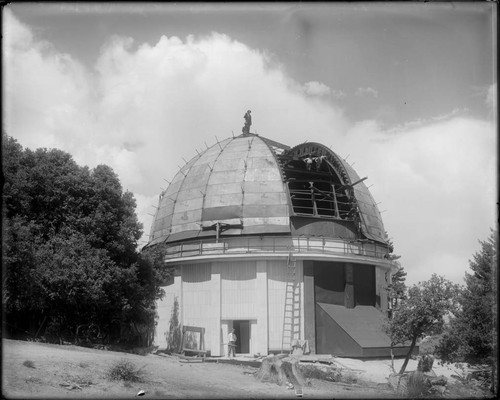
(471, 335)
(81, 284)
(396, 293)
(70, 249)
(396, 290)
(421, 312)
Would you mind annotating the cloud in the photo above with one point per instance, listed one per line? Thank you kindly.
(436, 183)
(314, 88)
(338, 94)
(47, 93)
(364, 92)
(144, 108)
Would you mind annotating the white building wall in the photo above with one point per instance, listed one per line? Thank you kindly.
(259, 327)
(200, 301)
(244, 297)
(224, 334)
(238, 300)
(238, 290)
(276, 285)
(164, 309)
(212, 295)
(214, 338)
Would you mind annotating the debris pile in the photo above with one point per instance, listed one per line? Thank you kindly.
(296, 372)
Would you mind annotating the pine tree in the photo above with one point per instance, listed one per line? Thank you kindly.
(471, 335)
(396, 290)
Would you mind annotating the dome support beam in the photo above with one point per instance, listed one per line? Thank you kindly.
(220, 227)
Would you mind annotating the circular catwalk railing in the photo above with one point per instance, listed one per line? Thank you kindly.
(276, 245)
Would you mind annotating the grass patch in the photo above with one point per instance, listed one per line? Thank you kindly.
(83, 365)
(124, 370)
(29, 364)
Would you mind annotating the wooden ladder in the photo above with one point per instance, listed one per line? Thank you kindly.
(291, 315)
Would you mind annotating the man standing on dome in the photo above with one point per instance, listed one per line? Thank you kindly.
(248, 122)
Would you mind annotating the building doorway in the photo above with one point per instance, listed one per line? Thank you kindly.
(242, 331)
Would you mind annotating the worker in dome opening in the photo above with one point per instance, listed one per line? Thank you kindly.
(309, 162)
(318, 161)
(231, 345)
(248, 122)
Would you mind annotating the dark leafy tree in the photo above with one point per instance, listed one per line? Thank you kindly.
(421, 312)
(81, 283)
(21, 282)
(155, 256)
(70, 246)
(471, 335)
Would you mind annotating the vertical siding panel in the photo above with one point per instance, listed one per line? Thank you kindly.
(197, 298)
(238, 290)
(260, 341)
(276, 286)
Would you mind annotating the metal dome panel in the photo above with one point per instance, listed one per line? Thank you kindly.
(235, 182)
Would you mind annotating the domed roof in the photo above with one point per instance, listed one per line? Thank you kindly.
(252, 185)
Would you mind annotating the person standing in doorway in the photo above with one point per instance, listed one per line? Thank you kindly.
(231, 345)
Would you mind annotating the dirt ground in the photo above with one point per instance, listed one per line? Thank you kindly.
(163, 377)
(39, 370)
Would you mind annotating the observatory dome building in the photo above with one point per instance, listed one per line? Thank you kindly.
(285, 245)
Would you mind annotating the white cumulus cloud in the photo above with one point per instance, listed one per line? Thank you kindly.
(144, 108)
(437, 184)
(364, 92)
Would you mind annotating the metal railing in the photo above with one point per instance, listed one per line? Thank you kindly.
(275, 245)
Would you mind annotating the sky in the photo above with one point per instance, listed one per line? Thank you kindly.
(405, 92)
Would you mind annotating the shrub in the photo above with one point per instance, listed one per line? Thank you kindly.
(124, 370)
(29, 364)
(417, 384)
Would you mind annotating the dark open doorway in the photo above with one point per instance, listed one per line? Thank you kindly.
(242, 331)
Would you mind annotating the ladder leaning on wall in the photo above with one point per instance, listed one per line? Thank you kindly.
(291, 314)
